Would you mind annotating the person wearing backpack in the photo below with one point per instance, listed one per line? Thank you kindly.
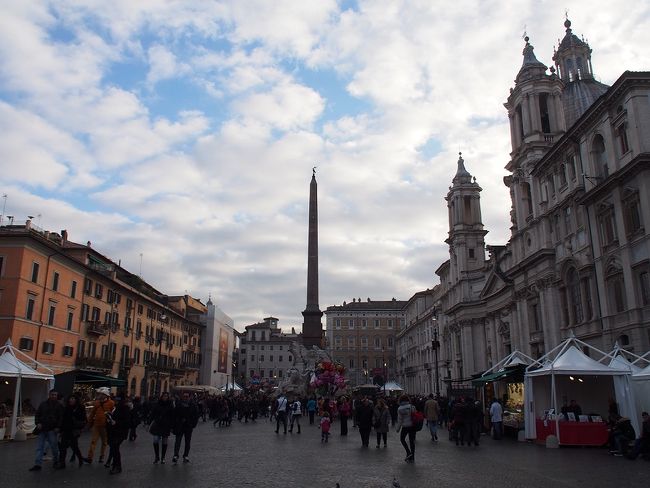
(405, 427)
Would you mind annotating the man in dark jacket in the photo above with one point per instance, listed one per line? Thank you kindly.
(49, 416)
(363, 417)
(186, 416)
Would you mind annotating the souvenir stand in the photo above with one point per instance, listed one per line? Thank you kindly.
(505, 381)
(569, 374)
(22, 382)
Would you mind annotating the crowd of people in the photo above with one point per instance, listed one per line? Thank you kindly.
(112, 419)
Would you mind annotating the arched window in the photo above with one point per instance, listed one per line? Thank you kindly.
(132, 389)
(624, 340)
(580, 68)
(599, 157)
(569, 70)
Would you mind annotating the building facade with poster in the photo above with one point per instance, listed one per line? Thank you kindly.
(217, 348)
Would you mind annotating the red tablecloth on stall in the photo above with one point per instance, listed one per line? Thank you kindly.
(574, 433)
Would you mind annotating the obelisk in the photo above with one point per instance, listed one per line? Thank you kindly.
(312, 329)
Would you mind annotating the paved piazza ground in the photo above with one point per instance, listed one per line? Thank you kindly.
(246, 455)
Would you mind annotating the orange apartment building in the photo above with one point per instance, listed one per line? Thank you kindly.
(71, 308)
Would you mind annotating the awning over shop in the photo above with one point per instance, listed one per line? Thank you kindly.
(515, 373)
(98, 379)
(64, 382)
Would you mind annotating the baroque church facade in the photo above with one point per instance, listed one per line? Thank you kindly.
(578, 258)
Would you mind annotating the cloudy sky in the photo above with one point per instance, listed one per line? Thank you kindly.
(179, 136)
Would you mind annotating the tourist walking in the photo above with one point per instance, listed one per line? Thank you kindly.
(97, 422)
(496, 418)
(281, 413)
(311, 409)
(296, 414)
(432, 414)
(381, 421)
(49, 417)
(406, 428)
(161, 421)
(118, 423)
(73, 422)
(325, 424)
(458, 421)
(344, 414)
(136, 418)
(186, 417)
(363, 419)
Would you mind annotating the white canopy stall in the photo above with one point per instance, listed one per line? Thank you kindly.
(640, 383)
(641, 387)
(22, 380)
(568, 372)
(391, 386)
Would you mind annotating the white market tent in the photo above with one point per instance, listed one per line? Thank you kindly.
(508, 366)
(619, 357)
(640, 381)
(641, 387)
(392, 386)
(568, 371)
(25, 380)
(503, 367)
(231, 387)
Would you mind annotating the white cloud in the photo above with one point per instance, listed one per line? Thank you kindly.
(209, 178)
(163, 65)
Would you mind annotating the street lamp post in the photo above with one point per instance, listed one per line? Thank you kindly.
(383, 360)
(436, 345)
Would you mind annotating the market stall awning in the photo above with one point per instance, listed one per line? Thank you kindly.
(98, 379)
(516, 373)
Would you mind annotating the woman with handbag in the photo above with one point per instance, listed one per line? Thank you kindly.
(162, 420)
(381, 421)
(406, 427)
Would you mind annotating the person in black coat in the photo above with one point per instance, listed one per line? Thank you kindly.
(117, 428)
(136, 418)
(74, 420)
(363, 417)
(186, 416)
(161, 421)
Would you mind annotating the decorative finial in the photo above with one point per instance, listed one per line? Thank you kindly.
(524, 36)
(313, 171)
(567, 22)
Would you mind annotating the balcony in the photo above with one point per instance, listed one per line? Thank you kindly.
(191, 347)
(96, 328)
(190, 365)
(103, 364)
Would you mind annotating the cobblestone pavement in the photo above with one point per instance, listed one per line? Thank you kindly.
(246, 455)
